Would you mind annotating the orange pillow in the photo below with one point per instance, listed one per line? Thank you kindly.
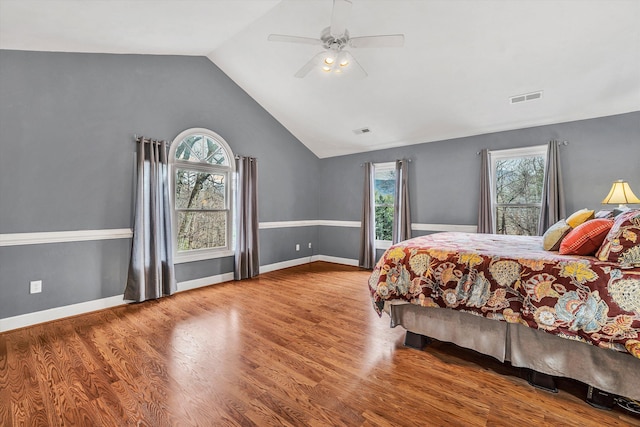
(586, 238)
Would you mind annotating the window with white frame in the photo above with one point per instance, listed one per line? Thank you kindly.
(518, 179)
(384, 194)
(202, 174)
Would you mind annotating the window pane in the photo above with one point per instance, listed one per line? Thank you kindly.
(202, 149)
(384, 222)
(519, 180)
(215, 154)
(385, 186)
(201, 230)
(190, 148)
(517, 220)
(200, 190)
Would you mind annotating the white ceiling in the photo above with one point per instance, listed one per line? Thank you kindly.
(461, 62)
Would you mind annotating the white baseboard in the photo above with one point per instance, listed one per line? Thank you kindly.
(306, 260)
(30, 319)
(337, 260)
(205, 281)
(285, 264)
(56, 313)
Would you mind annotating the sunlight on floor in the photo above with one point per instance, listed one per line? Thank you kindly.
(194, 344)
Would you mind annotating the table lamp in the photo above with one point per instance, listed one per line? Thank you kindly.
(620, 194)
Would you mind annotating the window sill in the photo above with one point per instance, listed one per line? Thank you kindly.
(201, 256)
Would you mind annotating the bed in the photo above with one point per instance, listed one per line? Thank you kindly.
(505, 296)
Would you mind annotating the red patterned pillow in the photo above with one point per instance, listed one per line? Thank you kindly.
(622, 244)
(586, 238)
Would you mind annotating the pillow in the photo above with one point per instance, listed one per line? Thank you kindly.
(586, 238)
(622, 244)
(604, 214)
(553, 236)
(617, 211)
(578, 217)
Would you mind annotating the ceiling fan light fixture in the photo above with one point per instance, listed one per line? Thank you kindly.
(334, 39)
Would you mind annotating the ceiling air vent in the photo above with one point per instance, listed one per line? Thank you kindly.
(361, 131)
(526, 97)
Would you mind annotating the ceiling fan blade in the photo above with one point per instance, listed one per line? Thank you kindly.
(339, 17)
(293, 39)
(391, 40)
(353, 68)
(310, 65)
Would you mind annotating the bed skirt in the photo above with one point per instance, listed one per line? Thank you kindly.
(605, 369)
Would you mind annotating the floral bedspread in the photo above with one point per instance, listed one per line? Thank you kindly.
(511, 278)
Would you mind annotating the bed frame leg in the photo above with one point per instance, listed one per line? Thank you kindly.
(416, 341)
(542, 381)
(600, 399)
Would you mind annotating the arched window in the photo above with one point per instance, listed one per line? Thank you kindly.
(202, 173)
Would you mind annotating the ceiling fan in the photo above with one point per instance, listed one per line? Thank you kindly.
(335, 39)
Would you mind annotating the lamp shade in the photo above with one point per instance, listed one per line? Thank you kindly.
(620, 194)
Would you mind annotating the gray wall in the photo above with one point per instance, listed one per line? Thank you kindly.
(443, 175)
(67, 159)
(66, 163)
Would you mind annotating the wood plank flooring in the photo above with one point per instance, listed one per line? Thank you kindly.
(295, 347)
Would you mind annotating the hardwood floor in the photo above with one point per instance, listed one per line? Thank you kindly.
(295, 347)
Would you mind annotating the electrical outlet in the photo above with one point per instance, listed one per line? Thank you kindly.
(309, 245)
(35, 286)
(297, 246)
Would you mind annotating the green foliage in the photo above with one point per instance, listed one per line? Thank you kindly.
(384, 216)
(384, 195)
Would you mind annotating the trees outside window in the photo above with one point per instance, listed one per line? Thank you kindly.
(202, 171)
(518, 177)
(384, 196)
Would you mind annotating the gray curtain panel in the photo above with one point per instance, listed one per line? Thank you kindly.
(485, 205)
(401, 206)
(247, 262)
(552, 209)
(367, 234)
(151, 272)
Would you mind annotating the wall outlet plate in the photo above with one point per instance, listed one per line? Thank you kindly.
(35, 286)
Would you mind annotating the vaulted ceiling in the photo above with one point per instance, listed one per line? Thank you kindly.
(460, 64)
